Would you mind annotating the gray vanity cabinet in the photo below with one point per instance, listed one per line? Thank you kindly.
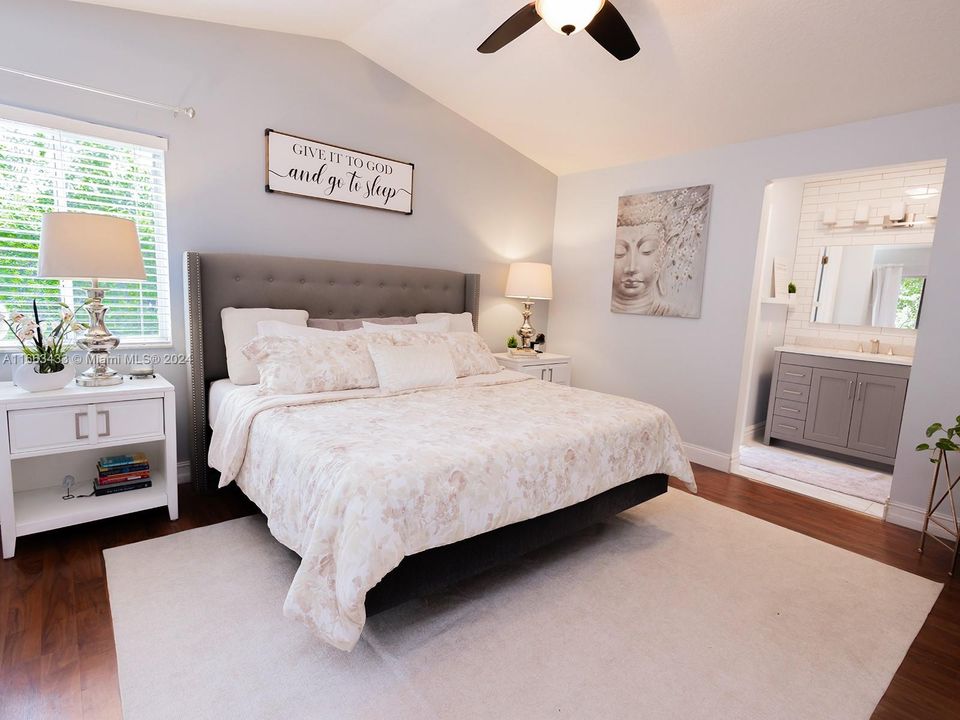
(830, 406)
(848, 406)
(878, 403)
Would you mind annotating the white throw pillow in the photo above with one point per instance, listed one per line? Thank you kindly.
(459, 322)
(469, 352)
(412, 367)
(240, 327)
(442, 325)
(276, 328)
(296, 365)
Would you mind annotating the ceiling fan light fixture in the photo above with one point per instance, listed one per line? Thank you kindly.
(568, 17)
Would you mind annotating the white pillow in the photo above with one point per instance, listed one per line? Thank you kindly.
(469, 352)
(411, 367)
(462, 322)
(240, 327)
(296, 365)
(276, 328)
(442, 325)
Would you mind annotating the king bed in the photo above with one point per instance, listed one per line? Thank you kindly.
(392, 496)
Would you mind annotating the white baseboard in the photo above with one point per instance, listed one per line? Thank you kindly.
(750, 432)
(910, 516)
(183, 472)
(710, 458)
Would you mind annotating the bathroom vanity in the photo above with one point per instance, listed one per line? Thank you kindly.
(847, 402)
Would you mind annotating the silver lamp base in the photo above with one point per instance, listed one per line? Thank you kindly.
(92, 378)
(526, 331)
(98, 342)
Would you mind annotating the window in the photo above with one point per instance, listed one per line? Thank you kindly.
(51, 164)
(909, 301)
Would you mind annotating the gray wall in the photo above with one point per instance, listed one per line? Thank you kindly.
(692, 368)
(478, 203)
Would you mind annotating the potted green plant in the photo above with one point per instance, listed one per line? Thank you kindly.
(46, 354)
(791, 291)
(512, 342)
(945, 443)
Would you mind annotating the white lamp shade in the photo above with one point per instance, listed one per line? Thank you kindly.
(530, 280)
(83, 246)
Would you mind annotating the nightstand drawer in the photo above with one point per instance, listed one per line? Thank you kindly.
(556, 373)
(84, 425)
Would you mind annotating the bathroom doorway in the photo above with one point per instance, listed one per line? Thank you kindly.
(838, 302)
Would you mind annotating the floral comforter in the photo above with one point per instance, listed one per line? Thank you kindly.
(354, 480)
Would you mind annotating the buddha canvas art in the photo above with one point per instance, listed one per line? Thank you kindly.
(660, 252)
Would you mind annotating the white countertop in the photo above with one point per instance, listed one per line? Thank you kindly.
(847, 354)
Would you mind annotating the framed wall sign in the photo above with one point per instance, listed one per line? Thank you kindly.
(300, 166)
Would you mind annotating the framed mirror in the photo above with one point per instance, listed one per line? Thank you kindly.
(871, 285)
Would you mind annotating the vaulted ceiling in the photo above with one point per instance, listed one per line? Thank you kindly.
(709, 72)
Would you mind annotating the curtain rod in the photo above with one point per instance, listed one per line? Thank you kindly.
(176, 110)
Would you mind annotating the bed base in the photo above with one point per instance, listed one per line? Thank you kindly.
(436, 569)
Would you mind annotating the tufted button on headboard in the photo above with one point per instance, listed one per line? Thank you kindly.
(324, 288)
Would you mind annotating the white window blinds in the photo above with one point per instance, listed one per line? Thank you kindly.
(53, 164)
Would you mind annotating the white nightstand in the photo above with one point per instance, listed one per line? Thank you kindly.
(45, 436)
(545, 366)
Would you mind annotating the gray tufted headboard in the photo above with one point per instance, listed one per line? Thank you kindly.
(324, 288)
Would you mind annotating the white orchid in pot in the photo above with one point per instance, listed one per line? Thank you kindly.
(45, 348)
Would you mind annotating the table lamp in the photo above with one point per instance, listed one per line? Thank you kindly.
(86, 246)
(529, 281)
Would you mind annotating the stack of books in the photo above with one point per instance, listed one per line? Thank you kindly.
(119, 473)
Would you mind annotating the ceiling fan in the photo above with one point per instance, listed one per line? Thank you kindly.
(602, 21)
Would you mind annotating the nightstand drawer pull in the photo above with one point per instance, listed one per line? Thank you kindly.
(77, 417)
(106, 423)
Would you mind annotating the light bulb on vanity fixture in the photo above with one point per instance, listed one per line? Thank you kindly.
(87, 246)
(529, 281)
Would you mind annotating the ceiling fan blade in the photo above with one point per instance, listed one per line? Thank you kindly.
(612, 32)
(515, 26)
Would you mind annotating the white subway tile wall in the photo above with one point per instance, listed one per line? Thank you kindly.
(918, 186)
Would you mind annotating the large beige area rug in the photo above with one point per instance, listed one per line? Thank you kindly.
(679, 608)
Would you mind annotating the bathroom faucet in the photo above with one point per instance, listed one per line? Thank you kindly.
(874, 347)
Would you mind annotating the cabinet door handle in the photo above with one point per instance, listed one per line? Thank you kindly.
(793, 410)
(849, 389)
(543, 373)
(787, 427)
(859, 388)
(551, 374)
(792, 392)
(76, 425)
(106, 417)
(792, 374)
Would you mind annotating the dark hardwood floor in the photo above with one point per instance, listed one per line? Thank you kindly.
(57, 657)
